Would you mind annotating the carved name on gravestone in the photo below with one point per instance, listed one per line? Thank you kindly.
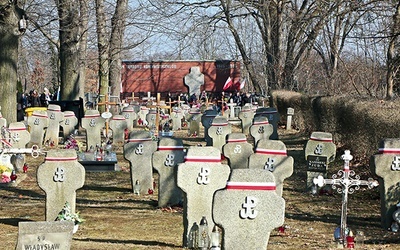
(176, 116)
(93, 123)
(118, 125)
(37, 122)
(273, 118)
(194, 117)
(246, 115)
(248, 209)
(261, 129)
(60, 176)
(130, 116)
(237, 150)
(199, 177)
(55, 118)
(206, 121)
(69, 123)
(271, 155)
(194, 80)
(319, 152)
(44, 235)
(386, 165)
(166, 160)
(218, 131)
(138, 151)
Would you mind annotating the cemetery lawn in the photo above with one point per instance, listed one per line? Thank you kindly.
(115, 218)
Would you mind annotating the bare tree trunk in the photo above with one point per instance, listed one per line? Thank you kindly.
(116, 39)
(83, 46)
(10, 15)
(103, 47)
(393, 59)
(68, 12)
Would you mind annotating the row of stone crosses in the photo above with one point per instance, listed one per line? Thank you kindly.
(240, 195)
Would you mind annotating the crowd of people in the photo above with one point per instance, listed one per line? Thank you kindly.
(33, 99)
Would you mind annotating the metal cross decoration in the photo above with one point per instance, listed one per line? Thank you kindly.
(345, 182)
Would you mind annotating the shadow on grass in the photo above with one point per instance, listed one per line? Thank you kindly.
(105, 188)
(13, 221)
(135, 242)
(24, 192)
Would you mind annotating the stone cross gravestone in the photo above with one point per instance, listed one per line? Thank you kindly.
(261, 129)
(151, 118)
(118, 125)
(194, 80)
(273, 118)
(319, 152)
(199, 177)
(19, 135)
(194, 117)
(206, 121)
(37, 122)
(93, 123)
(142, 115)
(386, 165)
(218, 131)
(138, 151)
(166, 159)
(60, 176)
(176, 116)
(271, 155)
(55, 119)
(246, 115)
(44, 235)
(237, 150)
(3, 121)
(130, 116)
(248, 209)
(69, 123)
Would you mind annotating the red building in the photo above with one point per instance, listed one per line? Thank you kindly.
(168, 76)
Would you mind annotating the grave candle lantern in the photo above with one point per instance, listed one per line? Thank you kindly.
(136, 188)
(13, 176)
(215, 238)
(203, 234)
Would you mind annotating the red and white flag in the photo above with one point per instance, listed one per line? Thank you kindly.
(228, 83)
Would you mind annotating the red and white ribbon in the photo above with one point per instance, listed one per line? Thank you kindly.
(260, 123)
(220, 124)
(205, 159)
(16, 129)
(40, 115)
(320, 139)
(237, 140)
(139, 140)
(271, 151)
(161, 148)
(265, 186)
(74, 158)
(119, 118)
(389, 150)
(92, 116)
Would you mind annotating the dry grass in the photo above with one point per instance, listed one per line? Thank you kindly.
(117, 219)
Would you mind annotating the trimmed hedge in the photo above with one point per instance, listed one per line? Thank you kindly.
(358, 124)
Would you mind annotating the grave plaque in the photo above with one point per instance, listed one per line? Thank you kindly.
(118, 125)
(69, 123)
(94, 124)
(273, 118)
(248, 209)
(55, 119)
(199, 177)
(246, 115)
(60, 176)
(237, 150)
(37, 122)
(166, 159)
(44, 235)
(271, 155)
(218, 131)
(261, 129)
(138, 151)
(319, 148)
(386, 165)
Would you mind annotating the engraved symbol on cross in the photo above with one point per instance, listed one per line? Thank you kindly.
(139, 149)
(169, 161)
(66, 121)
(52, 116)
(261, 130)
(318, 149)
(248, 211)
(396, 163)
(92, 122)
(237, 149)
(127, 116)
(203, 176)
(37, 121)
(59, 175)
(269, 165)
(219, 131)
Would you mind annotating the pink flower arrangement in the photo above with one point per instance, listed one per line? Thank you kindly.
(5, 177)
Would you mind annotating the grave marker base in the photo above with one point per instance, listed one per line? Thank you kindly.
(100, 166)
